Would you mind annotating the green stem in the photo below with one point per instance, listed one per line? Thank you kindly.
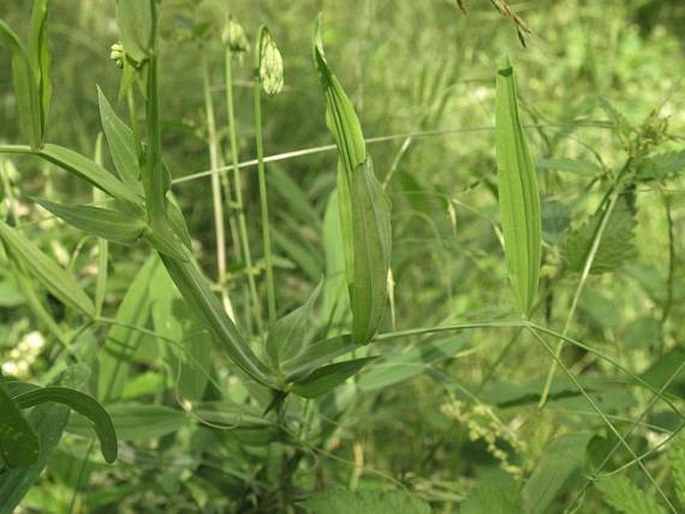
(263, 201)
(579, 290)
(217, 201)
(237, 182)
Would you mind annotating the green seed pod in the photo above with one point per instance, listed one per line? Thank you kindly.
(233, 35)
(270, 63)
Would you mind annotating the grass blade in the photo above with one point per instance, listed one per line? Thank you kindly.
(519, 199)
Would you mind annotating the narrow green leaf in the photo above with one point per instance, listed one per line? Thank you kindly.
(46, 271)
(135, 20)
(317, 354)
(121, 144)
(396, 368)
(39, 57)
(519, 199)
(90, 171)
(624, 496)
(328, 377)
(18, 441)
(336, 302)
(561, 458)
(288, 336)
(84, 405)
(137, 422)
(106, 223)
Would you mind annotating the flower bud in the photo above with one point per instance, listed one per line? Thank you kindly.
(233, 35)
(117, 54)
(270, 64)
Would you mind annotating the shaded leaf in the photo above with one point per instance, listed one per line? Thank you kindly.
(327, 377)
(490, 499)
(316, 355)
(18, 442)
(519, 199)
(624, 496)
(39, 58)
(366, 502)
(84, 405)
(45, 270)
(135, 20)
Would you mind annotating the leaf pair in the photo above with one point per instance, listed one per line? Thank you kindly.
(364, 208)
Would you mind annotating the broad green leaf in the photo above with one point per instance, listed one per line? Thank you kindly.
(288, 336)
(519, 199)
(327, 377)
(336, 301)
(662, 166)
(84, 405)
(121, 144)
(490, 499)
(106, 223)
(45, 270)
(561, 458)
(399, 367)
(18, 441)
(136, 422)
(48, 422)
(135, 20)
(134, 311)
(90, 171)
(317, 354)
(366, 502)
(624, 496)
(371, 248)
(615, 248)
(39, 57)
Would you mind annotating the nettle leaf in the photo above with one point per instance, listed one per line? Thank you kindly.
(84, 405)
(366, 502)
(519, 199)
(135, 20)
(661, 166)
(328, 377)
(106, 223)
(18, 442)
(561, 458)
(624, 496)
(490, 499)
(615, 248)
(45, 270)
(122, 146)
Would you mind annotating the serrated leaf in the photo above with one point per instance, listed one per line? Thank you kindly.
(519, 199)
(121, 143)
(366, 502)
(661, 166)
(489, 499)
(106, 223)
(624, 496)
(328, 377)
(676, 458)
(561, 458)
(615, 248)
(18, 442)
(84, 405)
(45, 270)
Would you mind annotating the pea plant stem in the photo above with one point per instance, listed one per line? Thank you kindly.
(237, 184)
(217, 202)
(263, 200)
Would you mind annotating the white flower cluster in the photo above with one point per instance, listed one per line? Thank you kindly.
(23, 355)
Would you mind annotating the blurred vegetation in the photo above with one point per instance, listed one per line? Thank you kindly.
(422, 77)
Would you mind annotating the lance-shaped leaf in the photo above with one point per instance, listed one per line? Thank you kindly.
(363, 206)
(122, 146)
(84, 405)
(46, 271)
(519, 200)
(39, 58)
(109, 224)
(18, 441)
(328, 377)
